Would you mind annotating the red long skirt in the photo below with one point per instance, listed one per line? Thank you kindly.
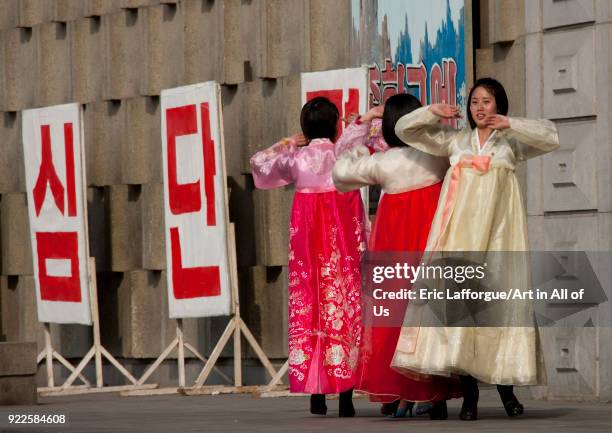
(402, 223)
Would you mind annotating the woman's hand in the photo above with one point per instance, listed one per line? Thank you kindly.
(350, 118)
(446, 111)
(374, 113)
(497, 121)
(298, 139)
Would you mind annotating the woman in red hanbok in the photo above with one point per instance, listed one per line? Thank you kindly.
(411, 181)
(326, 239)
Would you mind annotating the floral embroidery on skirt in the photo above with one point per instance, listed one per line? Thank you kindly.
(325, 246)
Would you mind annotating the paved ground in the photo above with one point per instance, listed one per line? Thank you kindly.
(243, 413)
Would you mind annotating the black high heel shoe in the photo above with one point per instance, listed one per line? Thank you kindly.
(514, 408)
(511, 404)
(317, 404)
(439, 410)
(389, 408)
(469, 408)
(345, 407)
(468, 412)
(404, 409)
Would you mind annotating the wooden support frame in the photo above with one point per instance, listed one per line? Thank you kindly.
(97, 352)
(276, 379)
(236, 329)
(180, 345)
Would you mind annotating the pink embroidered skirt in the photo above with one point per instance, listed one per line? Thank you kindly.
(326, 241)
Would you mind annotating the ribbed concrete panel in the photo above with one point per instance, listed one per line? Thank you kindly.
(89, 67)
(33, 12)
(213, 41)
(104, 127)
(54, 62)
(603, 133)
(135, 321)
(509, 64)
(266, 308)
(533, 109)
(233, 43)
(15, 235)
(570, 181)
(484, 62)
(8, 14)
(139, 304)
(203, 23)
(249, 29)
(125, 227)
(533, 16)
(571, 353)
(125, 53)
(242, 214)
(278, 117)
(571, 360)
(20, 321)
(153, 229)
(163, 44)
(567, 12)
(235, 114)
(12, 170)
(98, 209)
(19, 61)
(506, 20)
(569, 73)
(272, 213)
(137, 3)
(100, 7)
(329, 35)
(141, 152)
(283, 37)
(68, 10)
(18, 315)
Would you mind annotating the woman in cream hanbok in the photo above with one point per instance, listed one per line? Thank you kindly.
(480, 210)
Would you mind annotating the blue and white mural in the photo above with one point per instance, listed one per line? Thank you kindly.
(412, 46)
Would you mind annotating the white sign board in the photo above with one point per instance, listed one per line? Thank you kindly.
(195, 202)
(53, 156)
(346, 88)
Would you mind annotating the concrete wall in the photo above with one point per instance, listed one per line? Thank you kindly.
(115, 57)
(568, 64)
(554, 59)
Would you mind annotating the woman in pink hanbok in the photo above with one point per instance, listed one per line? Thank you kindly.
(326, 239)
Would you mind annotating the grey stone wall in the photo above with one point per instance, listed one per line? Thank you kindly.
(114, 57)
(554, 59)
(568, 80)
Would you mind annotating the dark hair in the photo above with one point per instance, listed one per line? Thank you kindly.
(395, 107)
(319, 119)
(496, 89)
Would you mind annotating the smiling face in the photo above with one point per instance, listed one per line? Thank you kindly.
(482, 104)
